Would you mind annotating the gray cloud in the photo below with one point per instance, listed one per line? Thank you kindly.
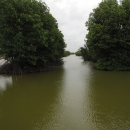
(71, 16)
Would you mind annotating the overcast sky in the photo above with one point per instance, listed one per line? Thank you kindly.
(71, 16)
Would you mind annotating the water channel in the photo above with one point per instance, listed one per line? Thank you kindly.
(73, 97)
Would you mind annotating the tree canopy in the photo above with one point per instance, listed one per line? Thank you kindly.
(108, 38)
(29, 34)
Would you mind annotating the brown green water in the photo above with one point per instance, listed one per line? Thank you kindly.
(74, 97)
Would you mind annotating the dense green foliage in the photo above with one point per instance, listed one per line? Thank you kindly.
(108, 39)
(29, 34)
(85, 53)
(67, 53)
(78, 53)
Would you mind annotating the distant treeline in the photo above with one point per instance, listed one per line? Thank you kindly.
(67, 53)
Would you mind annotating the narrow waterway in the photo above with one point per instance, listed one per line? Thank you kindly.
(73, 97)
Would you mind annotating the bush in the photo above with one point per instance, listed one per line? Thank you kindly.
(29, 34)
(108, 39)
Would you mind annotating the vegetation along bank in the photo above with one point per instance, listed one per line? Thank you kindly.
(108, 39)
(29, 37)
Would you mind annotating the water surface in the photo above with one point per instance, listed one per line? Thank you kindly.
(73, 97)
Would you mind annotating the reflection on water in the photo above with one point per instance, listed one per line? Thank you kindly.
(110, 100)
(74, 97)
(69, 112)
(29, 104)
(4, 82)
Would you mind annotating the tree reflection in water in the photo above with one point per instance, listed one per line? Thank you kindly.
(5, 81)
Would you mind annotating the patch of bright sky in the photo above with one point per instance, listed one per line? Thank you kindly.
(71, 16)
